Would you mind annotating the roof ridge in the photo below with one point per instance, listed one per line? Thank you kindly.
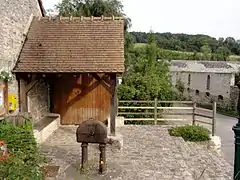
(82, 18)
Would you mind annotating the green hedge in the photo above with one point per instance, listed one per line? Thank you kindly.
(190, 133)
(24, 159)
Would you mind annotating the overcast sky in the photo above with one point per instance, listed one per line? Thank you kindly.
(218, 18)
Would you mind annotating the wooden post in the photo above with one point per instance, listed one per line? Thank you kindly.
(194, 112)
(117, 106)
(155, 111)
(113, 107)
(214, 118)
(22, 95)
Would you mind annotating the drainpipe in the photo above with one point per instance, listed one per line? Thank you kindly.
(236, 130)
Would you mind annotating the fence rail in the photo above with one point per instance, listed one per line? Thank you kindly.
(154, 109)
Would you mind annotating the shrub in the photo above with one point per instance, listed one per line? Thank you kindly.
(24, 159)
(190, 133)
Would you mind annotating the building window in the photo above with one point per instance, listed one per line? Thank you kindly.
(189, 79)
(220, 98)
(197, 92)
(188, 90)
(207, 94)
(208, 82)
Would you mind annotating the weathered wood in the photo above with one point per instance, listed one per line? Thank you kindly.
(152, 119)
(194, 113)
(155, 111)
(202, 109)
(80, 98)
(31, 85)
(204, 122)
(176, 108)
(175, 113)
(135, 113)
(202, 115)
(4, 91)
(179, 102)
(136, 101)
(122, 107)
(23, 95)
(172, 102)
(214, 118)
(113, 106)
(103, 81)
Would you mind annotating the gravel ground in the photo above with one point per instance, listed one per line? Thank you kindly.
(148, 153)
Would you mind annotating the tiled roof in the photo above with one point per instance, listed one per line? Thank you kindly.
(75, 44)
(204, 66)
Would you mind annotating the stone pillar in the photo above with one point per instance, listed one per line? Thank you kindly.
(236, 130)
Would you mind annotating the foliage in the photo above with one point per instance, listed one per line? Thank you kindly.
(24, 159)
(95, 8)
(4, 75)
(227, 109)
(147, 122)
(190, 133)
(146, 77)
(180, 86)
(211, 48)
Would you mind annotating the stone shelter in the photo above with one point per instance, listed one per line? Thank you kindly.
(205, 81)
(72, 64)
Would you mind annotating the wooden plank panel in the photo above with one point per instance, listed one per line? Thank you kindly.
(3, 98)
(89, 105)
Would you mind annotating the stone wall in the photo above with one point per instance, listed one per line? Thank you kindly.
(38, 101)
(15, 18)
(202, 97)
(220, 84)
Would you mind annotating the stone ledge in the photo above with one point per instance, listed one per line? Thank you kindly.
(115, 141)
(215, 144)
(42, 134)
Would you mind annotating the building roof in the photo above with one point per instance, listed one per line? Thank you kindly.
(204, 66)
(75, 44)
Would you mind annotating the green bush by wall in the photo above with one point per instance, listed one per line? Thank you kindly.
(24, 159)
(190, 133)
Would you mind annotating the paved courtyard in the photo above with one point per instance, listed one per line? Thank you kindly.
(149, 153)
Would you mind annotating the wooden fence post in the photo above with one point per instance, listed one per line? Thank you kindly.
(194, 112)
(214, 118)
(155, 110)
(117, 106)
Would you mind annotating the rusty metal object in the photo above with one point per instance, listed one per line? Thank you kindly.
(84, 155)
(102, 159)
(92, 131)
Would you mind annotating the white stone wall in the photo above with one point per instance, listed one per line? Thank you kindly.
(15, 18)
(220, 84)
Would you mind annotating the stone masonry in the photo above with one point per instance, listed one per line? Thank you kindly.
(149, 153)
(38, 100)
(15, 18)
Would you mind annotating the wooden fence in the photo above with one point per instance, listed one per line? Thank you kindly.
(154, 110)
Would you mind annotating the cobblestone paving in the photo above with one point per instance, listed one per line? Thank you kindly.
(148, 153)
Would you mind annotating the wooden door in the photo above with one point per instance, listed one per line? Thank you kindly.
(79, 98)
(3, 98)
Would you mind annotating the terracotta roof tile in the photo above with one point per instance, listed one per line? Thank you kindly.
(73, 45)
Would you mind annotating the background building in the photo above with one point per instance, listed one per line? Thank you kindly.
(206, 81)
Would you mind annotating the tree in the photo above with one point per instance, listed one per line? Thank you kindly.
(222, 53)
(146, 77)
(206, 52)
(95, 8)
